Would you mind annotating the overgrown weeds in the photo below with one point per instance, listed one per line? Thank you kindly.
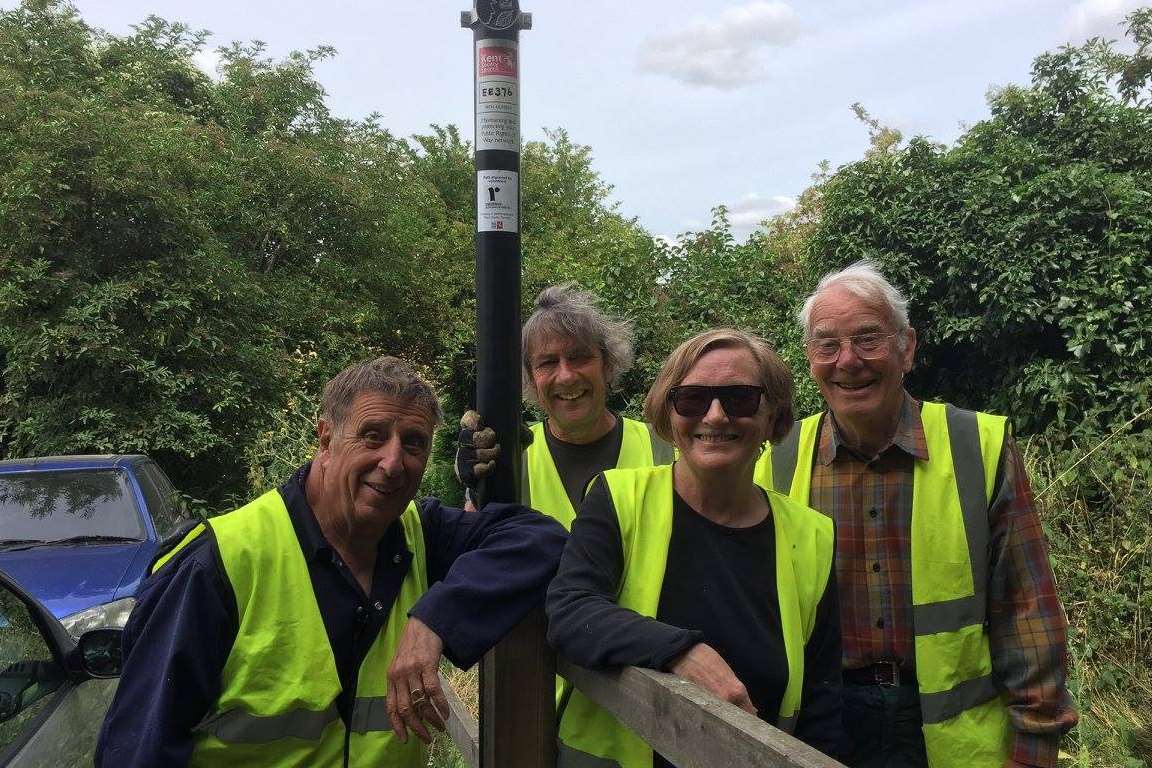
(1094, 490)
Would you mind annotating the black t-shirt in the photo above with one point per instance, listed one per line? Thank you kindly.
(719, 588)
(722, 581)
(578, 464)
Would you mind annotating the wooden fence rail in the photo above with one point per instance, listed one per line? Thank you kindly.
(690, 727)
(462, 727)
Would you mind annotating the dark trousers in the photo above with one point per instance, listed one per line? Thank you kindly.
(883, 726)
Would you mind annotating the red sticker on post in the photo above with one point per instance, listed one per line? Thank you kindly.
(499, 61)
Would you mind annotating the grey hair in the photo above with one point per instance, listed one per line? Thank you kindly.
(385, 375)
(567, 312)
(864, 281)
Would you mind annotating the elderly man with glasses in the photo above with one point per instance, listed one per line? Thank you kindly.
(954, 639)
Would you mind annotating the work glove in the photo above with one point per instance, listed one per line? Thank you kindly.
(476, 450)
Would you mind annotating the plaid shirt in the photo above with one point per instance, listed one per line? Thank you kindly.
(871, 502)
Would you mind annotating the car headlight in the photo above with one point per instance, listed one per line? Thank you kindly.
(112, 615)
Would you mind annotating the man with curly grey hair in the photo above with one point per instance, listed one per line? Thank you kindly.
(954, 640)
(572, 355)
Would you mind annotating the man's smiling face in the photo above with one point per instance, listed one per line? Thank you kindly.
(372, 463)
(859, 391)
(570, 384)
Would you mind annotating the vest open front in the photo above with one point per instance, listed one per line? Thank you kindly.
(965, 723)
(592, 738)
(279, 686)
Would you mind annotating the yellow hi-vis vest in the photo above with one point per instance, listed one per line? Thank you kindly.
(592, 738)
(965, 723)
(277, 704)
(541, 487)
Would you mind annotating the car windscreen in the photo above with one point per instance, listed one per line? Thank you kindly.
(69, 504)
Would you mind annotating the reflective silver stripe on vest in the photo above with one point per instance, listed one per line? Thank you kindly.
(236, 726)
(525, 484)
(949, 615)
(784, 457)
(968, 464)
(938, 707)
(968, 467)
(661, 451)
(567, 757)
(370, 713)
(786, 724)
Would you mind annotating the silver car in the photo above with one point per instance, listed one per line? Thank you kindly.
(54, 689)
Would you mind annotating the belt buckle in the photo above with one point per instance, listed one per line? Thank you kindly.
(894, 679)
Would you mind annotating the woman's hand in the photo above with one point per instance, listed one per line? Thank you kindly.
(703, 666)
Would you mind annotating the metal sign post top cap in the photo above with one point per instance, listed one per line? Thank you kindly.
(496, 16)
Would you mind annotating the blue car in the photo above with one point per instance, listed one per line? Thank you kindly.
(79, 532)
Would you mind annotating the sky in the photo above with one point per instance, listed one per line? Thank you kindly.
(685, 104)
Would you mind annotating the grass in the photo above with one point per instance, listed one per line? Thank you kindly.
(1115, 729)
(1094, 494)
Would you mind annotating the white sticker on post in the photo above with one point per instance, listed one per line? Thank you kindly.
(497, 201)
(497, 95)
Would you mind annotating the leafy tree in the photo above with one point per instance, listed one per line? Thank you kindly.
(1025, 247)
(180, 258)
(184, 261)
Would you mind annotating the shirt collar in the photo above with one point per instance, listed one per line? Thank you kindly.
(308, 531)
(909, 436)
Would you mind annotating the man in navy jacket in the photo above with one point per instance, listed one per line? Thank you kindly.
(392, 585)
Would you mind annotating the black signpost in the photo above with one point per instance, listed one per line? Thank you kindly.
(517, 719)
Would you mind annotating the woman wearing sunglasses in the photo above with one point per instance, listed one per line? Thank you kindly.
(695, 570)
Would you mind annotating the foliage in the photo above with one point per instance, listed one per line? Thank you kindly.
(184, 261)
(1025, 247)
(712, 280)
(1095, 495)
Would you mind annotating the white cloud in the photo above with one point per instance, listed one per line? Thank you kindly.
(1099, 18)
(725, 53)
(746, 215)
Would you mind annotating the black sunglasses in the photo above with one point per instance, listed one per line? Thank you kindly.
(693, 400)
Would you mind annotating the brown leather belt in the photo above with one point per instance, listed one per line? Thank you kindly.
(886, 673)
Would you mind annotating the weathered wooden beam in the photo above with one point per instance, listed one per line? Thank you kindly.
(461, 726)
(518, 699)
(689, 726)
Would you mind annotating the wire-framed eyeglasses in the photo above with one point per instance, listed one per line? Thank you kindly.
(866, 346)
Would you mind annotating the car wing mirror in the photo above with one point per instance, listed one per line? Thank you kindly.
(100, 654)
